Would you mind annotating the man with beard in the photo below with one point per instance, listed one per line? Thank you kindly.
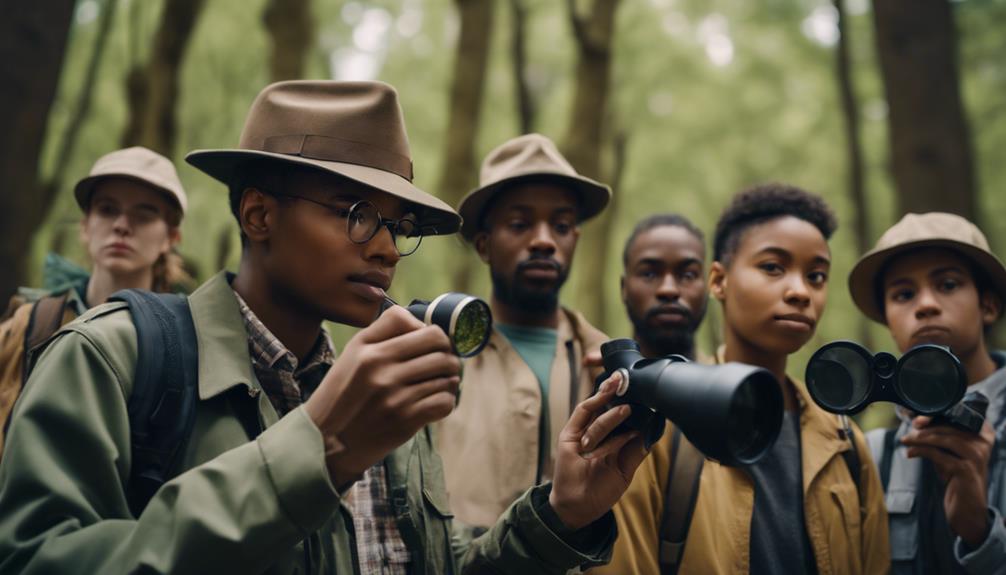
(663, 285)
(518, 393)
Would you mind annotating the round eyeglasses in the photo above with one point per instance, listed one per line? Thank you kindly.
(363, 221)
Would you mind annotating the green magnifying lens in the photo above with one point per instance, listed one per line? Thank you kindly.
(465, 319)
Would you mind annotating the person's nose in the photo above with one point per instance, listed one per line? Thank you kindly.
(381, 247)
(668, 288)
(797, 292)
(120, 225)
(542, 240)
(927, 304)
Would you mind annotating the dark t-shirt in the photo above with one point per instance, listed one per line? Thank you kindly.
(779, 542)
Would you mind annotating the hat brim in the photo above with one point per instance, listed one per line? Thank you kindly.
(864, 276)
(437, 218)
(593, 197)
(84, 189)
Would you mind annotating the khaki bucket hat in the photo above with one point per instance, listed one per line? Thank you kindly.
(353, 129)
(139, 164)
(531, 156)
(930, 230)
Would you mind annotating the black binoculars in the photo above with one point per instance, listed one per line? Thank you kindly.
(465, 319)
(732, 413)
(844, 377)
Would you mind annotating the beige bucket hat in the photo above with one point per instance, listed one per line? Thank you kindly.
(531, 156)
(353, 129)
(136, 163)
(930, 230)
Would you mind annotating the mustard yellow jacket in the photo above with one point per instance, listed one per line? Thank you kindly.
(847, 538)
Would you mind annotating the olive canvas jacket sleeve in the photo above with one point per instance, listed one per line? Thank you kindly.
(264, 505)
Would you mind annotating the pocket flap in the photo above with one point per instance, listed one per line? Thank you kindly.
(899, 501)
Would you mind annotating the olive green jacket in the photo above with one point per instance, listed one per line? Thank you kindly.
(265, 505)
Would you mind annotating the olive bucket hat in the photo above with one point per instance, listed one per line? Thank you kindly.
(138, 164)
(929, 230)
(528, 157)
(352, 129)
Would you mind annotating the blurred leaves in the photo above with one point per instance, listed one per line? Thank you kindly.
(715, 95)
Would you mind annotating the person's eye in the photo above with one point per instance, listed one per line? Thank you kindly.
(771, 268)
(647, 274)
(517, 225)
(949, 284)
(108, 210)
(563, 228)
(818, 278)
(901, 295)
(690, 275)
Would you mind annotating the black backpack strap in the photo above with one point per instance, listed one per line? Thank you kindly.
(679, 501)
(887, 458)
(162, 407)
(851, 457)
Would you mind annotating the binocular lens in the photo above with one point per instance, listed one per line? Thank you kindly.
(923, 380)
(839, 379)
(753, 423)
(471, 327)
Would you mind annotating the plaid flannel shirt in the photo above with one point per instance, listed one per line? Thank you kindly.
(379, 545)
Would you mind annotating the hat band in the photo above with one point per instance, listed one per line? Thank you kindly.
(332, 149)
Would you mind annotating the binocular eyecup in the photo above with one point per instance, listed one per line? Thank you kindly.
(732, 413)
(843, 377)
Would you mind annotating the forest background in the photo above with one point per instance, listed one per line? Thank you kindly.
(881, 106)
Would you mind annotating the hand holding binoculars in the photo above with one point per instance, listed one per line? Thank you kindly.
(465, 319)
(732, 413)
(844, 377)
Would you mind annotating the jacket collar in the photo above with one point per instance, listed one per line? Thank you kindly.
(822, 434)
(222, 338)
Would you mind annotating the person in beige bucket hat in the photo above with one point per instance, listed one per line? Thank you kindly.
(932, 279)
(300, 461)
(523, 220)
(133, 204)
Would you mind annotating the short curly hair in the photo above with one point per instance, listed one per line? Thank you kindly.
(765, 202)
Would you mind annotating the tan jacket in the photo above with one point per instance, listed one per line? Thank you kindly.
(12, 355)
(490, 443)
(846, 539)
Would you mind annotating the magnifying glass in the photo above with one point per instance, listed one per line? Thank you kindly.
(466, 319)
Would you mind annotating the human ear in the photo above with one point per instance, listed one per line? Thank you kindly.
(481, 241)
(991, 307)
(254, 213)
(718, 281)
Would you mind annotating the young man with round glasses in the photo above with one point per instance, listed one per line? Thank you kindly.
(299, 462)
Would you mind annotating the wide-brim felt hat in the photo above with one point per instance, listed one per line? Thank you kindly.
(353, 129)
(531, 157)
(916, 231)
(138, 164)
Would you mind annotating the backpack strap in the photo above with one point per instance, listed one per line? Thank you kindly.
(45, 320)
(851, 457)
(887, 457)
(162, 407)
(679, 501)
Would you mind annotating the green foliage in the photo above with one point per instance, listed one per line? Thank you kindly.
(697, 131)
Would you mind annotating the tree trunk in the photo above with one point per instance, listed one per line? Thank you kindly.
(854, 149)
(518, 50)
(584, 139)
(152, 90)
(33, 39)
(458, 174)
(930, 144)
(291, 32)
(82, 111)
